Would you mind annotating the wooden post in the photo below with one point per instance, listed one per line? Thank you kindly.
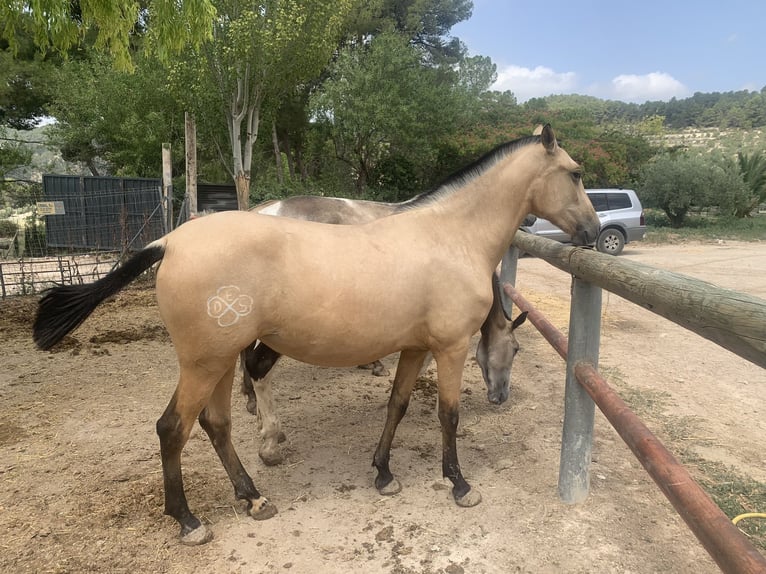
(190, 137)
(167, 186)
(508, 268)
(577, 435)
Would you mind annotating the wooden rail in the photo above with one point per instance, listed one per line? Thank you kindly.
(733, 320)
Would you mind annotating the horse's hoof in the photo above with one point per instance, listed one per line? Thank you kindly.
(252, 406)
(198, 536)
(393, 487)
(262, 509)
(271, 458)
(469, 499)
(380, 371)
(281, 437)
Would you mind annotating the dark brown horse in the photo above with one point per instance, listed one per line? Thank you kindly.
(313, 292)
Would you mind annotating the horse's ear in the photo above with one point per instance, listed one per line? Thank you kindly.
(538, 130)
(518, 321)
(548, 138)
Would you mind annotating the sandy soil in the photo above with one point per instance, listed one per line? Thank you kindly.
(81, 485)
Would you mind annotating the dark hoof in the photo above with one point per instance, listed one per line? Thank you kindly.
(198, 536)
(281, 437)
(262, 509)
(252, 405)
(470, 498)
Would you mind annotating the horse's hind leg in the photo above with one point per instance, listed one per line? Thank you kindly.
(215, 418)
(191, 395)
(271, 435)
(407, 370)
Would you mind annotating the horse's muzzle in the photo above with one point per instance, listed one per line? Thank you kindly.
(498, 397)
(585, 235)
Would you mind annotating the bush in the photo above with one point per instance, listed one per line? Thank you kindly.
(34, 238)
(8, 228)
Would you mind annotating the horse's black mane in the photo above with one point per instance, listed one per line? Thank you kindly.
(468, 172)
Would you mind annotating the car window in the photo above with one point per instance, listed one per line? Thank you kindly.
(599, 201)
(618, 200)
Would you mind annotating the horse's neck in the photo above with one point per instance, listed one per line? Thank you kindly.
(486, 212)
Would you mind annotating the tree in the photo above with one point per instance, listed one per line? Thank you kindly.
(25, 89)
(60, 25)
(258, 52)
(379, 103)
(425, 23)
(114, 119)
(676, 183)
(752, 167)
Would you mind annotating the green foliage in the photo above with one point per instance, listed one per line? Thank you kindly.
(752, 166)
(8, 228)
(676, 183)
(12, 153)
(25, 88)
(425, 24)
(257, 55)
(60, 25)
(34, 238)
(380, 103)
(120, 118)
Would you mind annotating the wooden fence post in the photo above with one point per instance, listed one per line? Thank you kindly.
(190, 137)
(167, 186)
(577, 434)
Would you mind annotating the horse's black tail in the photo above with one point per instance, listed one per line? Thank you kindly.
(63, 308)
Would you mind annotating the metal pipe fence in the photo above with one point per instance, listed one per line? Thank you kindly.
(730, 319)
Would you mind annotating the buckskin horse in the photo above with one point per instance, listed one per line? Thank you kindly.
(313, 292)
(495, 350)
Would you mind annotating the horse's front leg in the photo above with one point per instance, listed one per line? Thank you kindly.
(449, 366)
(247, 381)
(215, 418)
(257, 360)
(404, 381)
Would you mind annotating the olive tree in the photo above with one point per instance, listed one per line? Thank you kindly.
(676, 183)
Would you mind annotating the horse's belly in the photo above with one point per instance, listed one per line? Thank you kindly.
(331, 349)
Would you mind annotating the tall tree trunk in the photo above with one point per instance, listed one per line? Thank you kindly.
(289, 156)
(277, 153)
(242, 149)
(301, 165)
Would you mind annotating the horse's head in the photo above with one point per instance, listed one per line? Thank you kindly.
(558, 194)
(497, 348)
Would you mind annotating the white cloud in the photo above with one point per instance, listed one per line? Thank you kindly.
(653, 86)
(539, 82)
(542, 81)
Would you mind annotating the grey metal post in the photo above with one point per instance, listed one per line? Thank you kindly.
(508, 268)
(577, 435)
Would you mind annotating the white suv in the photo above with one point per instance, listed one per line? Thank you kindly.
(621, 216)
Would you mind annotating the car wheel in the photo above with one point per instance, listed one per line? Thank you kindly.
(610, 241)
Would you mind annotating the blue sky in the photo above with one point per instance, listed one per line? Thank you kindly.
(631, 51)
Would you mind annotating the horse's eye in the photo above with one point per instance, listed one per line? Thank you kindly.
(576, 175)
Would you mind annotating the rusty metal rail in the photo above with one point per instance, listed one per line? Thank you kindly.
(729, 548)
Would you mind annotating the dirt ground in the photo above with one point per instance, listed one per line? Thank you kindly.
(81, 485)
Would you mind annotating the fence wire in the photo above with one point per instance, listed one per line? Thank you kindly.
(97, 229)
